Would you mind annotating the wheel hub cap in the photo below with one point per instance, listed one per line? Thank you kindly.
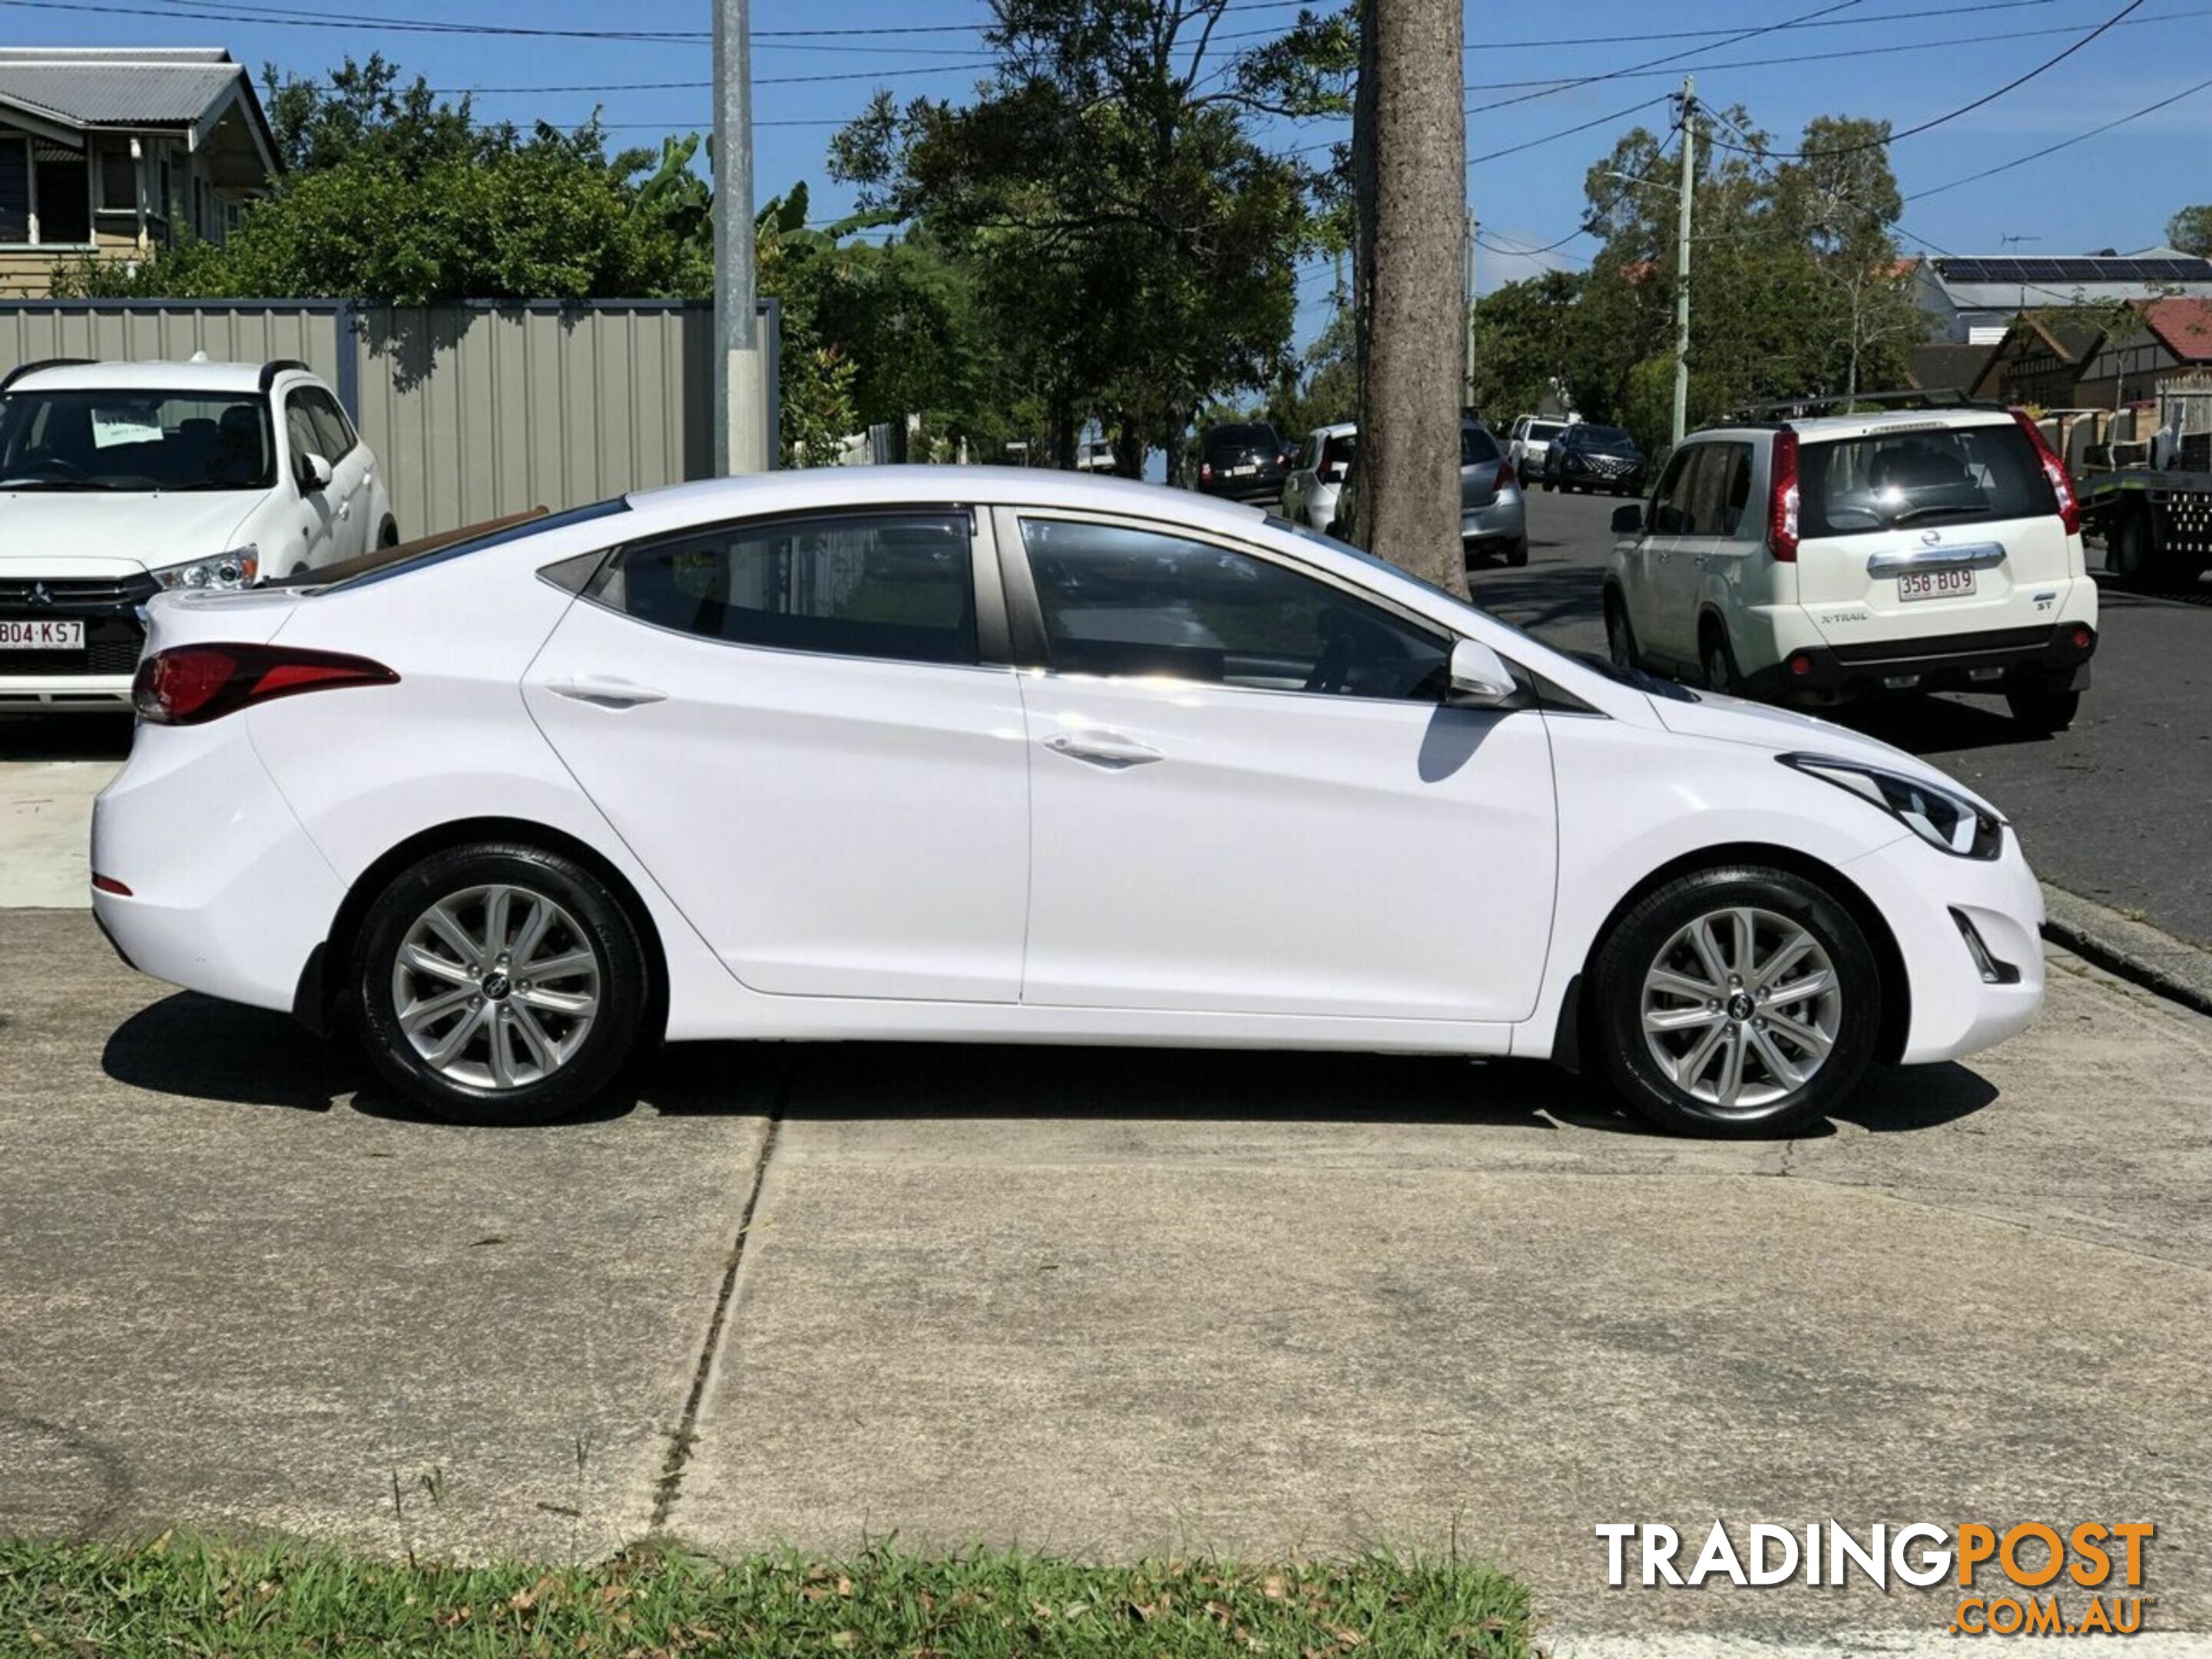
(1741, 1008)
(496, 987)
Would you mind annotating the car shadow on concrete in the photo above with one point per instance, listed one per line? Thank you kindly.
(1935, 725)
(203, 1049)
(195, 1047)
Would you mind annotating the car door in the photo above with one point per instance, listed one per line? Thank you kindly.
(1246, 796)
(1643, 565)
(350, 461)
(1710, 552)
(789, 722)
(309, 528)
(1297, 488)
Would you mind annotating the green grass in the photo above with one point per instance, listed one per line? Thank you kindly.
(189, 1599)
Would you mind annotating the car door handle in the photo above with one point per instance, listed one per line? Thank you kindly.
(1107, 749)
(608, 690)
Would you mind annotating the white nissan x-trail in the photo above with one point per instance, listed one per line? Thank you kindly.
(1814, 561)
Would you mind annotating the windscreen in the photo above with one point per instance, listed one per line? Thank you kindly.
(135, 442)
(1606, 439)
(1935, 475)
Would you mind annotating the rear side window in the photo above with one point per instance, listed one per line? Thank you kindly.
(1931, 476)
(891, 584)
(1720, 487)
(1476, 446)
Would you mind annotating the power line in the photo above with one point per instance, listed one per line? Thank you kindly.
(2048, 64)
(1975, 41)
(2064, 143)
(1915, 15)
(1564, 132)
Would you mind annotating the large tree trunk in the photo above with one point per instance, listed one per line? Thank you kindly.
(1410, 143)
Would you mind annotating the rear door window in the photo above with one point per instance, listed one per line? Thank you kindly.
(891, 585)
(1921, 475)
(1671, 500)
(1718, 490)
(1476, 446)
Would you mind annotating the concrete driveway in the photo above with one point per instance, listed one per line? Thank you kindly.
(1097, 1301)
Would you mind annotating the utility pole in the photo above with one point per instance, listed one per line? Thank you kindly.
(1467, 279)
(1682, 259)
(742, 442)
(1409, 145)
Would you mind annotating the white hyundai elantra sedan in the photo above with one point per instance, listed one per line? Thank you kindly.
(978, 755)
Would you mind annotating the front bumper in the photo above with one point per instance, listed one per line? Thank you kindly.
(96, 677)
(228, 896)
(1956, 662)
(1921, 894)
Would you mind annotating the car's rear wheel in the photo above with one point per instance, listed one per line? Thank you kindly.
(1737, 1001)
(1619, 636)
(1516, 553)
(2036, 706)
(499, 983)
(1717, 658)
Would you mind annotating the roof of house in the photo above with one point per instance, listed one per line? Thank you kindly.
(1979, 282)
(1943, 366)
(158, 86)
(2183, 325)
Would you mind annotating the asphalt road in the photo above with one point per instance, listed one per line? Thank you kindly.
(2116, 810)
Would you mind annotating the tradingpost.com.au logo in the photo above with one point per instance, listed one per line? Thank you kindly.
(2031, 1579)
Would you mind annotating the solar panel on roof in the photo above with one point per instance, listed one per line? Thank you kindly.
(2081, 271)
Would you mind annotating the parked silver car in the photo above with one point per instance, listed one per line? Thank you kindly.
(1492, 518)
(1525, 446)
(1310, 492)
(1493, 521)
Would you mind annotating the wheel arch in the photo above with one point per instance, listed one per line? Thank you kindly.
(1896, 981)
(322, 986)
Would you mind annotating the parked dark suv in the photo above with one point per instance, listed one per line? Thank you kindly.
(1586, 457)
(1244, 460)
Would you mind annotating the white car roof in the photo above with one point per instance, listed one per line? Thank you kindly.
(1335, 429)
(809, 487)
(1867, 422)
(151, 376)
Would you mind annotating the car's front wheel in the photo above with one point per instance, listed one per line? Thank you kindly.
(1737, 1001)
(499, 983)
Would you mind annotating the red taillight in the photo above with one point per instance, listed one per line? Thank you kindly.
(1801, 665)
(109, 885)
(192, 684)
(1782, 500)
(2062, 485)
(2083, 639)
(1504, 475)
(1206, 468)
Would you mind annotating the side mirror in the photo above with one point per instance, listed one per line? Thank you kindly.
(314, 473)
(1628, 520)
(1480, 678)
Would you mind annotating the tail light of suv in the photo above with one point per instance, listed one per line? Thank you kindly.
(1782, 499)
(191, 685)
(1505, 477)
(2061, 483)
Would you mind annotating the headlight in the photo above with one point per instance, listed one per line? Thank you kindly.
(1941, 818)
(226, 573)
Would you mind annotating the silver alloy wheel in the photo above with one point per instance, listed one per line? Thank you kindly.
(1742, 1008)
(496, 987)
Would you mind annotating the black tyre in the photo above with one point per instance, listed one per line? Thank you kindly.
(2127, 553)
(2036, 706)
(387, 534)
(1717, 658)
(499, 983)
(1740, 1001)
(1516, 554)
(1620, 635)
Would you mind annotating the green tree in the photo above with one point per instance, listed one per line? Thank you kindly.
(1130, 237)
(2190, 230)
(1524, 344)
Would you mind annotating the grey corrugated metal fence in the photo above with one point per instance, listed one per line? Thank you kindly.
(475, 408)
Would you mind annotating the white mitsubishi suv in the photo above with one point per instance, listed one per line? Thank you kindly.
(119, 480)
(1815, 560)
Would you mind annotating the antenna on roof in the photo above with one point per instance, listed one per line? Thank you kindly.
(197, 357)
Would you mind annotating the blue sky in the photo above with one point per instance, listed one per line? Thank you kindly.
(1908, 60)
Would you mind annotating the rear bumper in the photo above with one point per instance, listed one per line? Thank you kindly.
(1500, 524)
(228, 896)
(1267, 486)
(1956, 662)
